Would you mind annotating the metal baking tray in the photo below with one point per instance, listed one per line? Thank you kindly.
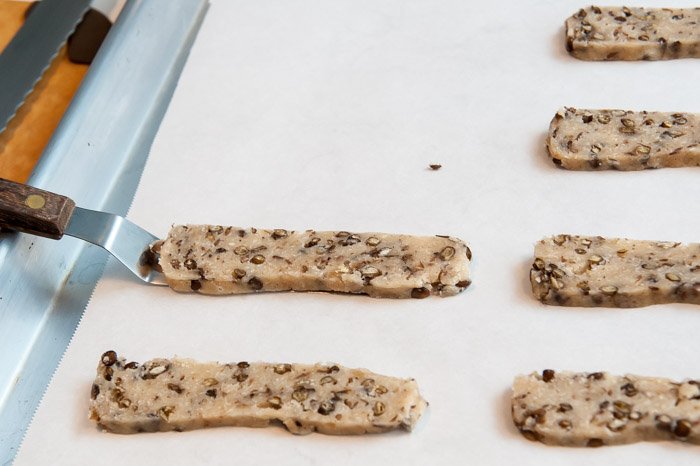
(96, 157)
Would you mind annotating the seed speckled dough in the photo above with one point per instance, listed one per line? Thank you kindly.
(212, 259)
(182, 394)
(582, 139)
(571, 270)
(596, 409)
(622, 33)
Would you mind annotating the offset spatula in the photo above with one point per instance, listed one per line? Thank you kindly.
(37, 212)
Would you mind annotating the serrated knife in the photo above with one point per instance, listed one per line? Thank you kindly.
(33, 48)
(42, 213)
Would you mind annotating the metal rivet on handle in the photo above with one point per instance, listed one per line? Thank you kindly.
(35, 201)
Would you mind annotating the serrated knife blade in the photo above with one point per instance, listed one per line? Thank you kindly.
(33, 48)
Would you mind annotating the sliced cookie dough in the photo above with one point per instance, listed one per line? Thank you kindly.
(589, 271)
(596, 409)
(622, 33)
(182, 394)
(228, 260)
(582, 139)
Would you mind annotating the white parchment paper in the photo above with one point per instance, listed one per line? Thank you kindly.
(325, 114)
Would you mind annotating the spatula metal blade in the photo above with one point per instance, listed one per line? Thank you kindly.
(129, 243)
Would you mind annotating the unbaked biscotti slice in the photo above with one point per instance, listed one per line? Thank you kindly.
(227, 260)
(596, 409)
(582, 139)
(573, 270)
(182, 394)
(622, 33)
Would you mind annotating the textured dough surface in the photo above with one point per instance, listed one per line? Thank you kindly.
(622, 33)
(182, 394)
(573, 270)
(596, 409)
(228, 260)
(582, 139)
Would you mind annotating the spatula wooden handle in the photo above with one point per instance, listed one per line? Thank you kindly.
(32, 210)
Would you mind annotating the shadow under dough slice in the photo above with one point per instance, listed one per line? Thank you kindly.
(622, 33)
(584, 139)
(590, 271)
